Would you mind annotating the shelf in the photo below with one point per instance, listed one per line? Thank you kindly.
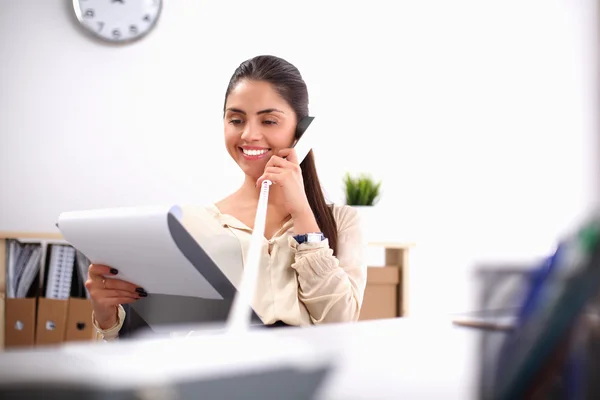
(31, 235)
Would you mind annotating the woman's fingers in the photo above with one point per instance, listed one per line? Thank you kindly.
(108, 293)
(288, 164)
(271, 173)
(289, 154)
(274, 178)
(273, 161)
(98, 270)
(107, 285)
(122, 285)
(122, 294)
(277, 161)
(97, 278)
(274, 170)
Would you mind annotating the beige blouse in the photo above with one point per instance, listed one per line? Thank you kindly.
(299, 284)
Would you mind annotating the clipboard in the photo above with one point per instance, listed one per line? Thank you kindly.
(150, 247)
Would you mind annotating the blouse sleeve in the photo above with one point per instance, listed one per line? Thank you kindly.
(111, 333)
(332, 287)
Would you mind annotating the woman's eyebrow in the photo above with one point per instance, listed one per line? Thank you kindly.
(267, 111)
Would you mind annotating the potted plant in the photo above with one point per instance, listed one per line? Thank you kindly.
(362, 193)
(361, 190)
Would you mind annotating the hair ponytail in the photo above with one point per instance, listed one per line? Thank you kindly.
(316, 199)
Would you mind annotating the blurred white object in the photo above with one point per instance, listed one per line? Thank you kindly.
(253, 365)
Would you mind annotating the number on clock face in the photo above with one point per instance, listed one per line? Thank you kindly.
(118, 20)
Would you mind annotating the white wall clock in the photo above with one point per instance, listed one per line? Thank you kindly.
(118, 21)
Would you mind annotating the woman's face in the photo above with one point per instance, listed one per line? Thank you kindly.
(258, 123)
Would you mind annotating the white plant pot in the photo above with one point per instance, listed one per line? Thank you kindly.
(368, 219)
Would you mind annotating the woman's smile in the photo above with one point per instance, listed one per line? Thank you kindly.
(253, 152)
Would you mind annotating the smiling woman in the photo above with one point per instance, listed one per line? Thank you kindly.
(244, 131)
(312, 269)
(253, 131)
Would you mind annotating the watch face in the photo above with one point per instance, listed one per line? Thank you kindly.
(314, 237)
(117, 21)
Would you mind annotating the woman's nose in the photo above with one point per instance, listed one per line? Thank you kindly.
(251, 133)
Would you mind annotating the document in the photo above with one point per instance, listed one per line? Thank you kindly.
(148, 246)
(60, 271)
(23, 261)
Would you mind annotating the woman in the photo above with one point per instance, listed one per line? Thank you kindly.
(301, 281)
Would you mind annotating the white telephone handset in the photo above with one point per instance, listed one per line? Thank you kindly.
(303, 142)
(239, 316)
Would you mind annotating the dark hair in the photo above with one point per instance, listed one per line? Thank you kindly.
(288, 83)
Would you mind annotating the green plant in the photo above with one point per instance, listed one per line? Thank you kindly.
(361, 190)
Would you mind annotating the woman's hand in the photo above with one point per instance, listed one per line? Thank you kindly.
(286, 173)
(107, 294)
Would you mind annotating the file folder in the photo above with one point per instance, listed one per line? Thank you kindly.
(23, 261)
(60, 272)
(64, 312)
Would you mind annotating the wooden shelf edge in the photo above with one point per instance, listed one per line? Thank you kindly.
(31, 235)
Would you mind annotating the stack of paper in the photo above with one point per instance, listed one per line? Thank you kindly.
(23, 266)
(60, 272)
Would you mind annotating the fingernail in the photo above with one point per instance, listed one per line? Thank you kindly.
(140, 290)
(114, 271)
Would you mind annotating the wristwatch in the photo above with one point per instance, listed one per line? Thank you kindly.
(313, 237)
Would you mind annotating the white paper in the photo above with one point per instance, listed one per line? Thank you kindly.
(11, 282)
(60, 272)
(29, 273)
(138, 243)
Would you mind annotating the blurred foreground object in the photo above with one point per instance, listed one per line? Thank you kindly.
(253, 366)
(548, 345)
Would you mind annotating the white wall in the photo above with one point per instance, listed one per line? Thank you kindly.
(478, 117)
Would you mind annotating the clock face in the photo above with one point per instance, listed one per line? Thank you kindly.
(118, 20)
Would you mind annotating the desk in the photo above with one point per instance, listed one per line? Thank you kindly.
(394, 359)
(401, 358)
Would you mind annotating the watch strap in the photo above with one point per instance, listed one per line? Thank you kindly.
(313, 237)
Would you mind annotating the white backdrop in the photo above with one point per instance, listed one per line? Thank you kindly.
(478, 116)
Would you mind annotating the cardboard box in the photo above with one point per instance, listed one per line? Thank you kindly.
(2, 320)
(36, 320)
(19, 315)
(20, 322)
(2, 292)
(79, 320)
(381, 293)
(51, 321)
